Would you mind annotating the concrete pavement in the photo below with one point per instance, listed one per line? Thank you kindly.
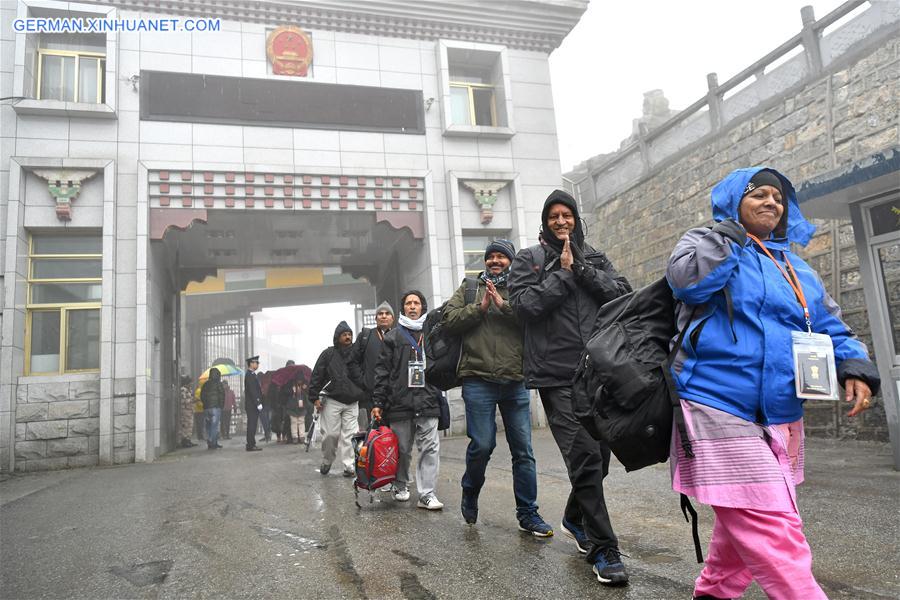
(235, 524)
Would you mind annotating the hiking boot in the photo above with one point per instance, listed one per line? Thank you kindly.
(535, 525)
(469, 506)
(430, 502)
(577, 534)
(608, 567)
(401, 495)
(324, 469)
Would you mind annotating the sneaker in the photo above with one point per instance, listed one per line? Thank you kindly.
(324, 469)
(535, 525)
(577, 534)
(349, 473)
(608, 567)
(430, 502)
(401, 495)
(218, 446)
(469, 506)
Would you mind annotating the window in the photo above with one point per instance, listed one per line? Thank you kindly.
(473, 104)
(473, 251)
(72, 68)
(472, 83)
(63, 322)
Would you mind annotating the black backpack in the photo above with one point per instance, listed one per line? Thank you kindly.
(624, 393)
(443, 349)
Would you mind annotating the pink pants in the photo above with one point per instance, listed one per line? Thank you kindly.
(766, 546)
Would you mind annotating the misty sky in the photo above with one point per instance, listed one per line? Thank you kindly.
(619, 50)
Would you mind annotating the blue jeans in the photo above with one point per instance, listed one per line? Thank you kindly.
(212, 425)
(482, 399)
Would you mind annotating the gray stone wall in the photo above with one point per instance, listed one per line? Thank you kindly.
(57, 424)
(833, 121)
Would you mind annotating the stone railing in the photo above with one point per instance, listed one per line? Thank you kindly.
(747, 92)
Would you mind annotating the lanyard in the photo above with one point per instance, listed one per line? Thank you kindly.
(793, 282)
(415, 346)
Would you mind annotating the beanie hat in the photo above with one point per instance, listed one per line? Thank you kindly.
(505, 247)
(385, 306)
(763, 177)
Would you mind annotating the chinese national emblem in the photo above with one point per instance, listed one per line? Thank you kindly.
(289, 50)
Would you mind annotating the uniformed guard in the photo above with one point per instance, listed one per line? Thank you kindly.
(252, 401)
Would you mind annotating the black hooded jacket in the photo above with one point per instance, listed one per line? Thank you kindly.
(335, 375)
(392, 393)
(558, 307)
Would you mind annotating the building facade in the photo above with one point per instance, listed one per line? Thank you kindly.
(296, 152)
(823, 109)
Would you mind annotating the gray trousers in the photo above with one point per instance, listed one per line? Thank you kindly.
(428, 441)
(339, 423)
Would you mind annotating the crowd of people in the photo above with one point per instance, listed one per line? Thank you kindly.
(742, 295)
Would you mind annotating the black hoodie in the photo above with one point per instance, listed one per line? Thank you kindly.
(335, 370)
(558, 307)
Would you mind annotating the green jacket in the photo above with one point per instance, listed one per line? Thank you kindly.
(213, 394)
(491, 341)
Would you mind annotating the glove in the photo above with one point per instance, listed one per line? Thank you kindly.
(733, 230)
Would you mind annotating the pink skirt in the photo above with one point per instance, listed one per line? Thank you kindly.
(738, 464)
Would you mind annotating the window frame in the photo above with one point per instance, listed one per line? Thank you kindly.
(64, 308)
(470, 88)
(101, 72)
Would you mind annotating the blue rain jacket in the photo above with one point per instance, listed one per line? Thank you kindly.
(746, 367)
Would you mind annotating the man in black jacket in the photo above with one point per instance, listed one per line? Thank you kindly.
(252, 401)
(556, 289)
(366, 352)
(335, 389)
(411, 404)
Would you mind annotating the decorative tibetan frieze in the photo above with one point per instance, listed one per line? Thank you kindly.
(485, 196)
(64, 185)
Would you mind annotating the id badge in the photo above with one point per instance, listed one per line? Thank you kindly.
(815, 376)
(416, 374)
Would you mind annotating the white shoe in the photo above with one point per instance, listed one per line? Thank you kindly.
(401, 495)
(430, 502)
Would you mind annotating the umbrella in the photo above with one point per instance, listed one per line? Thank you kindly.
(225, 370)
(290, 373)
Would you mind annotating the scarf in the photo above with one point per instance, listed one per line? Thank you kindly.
(412, 324)
(499, 281)
(576, 241)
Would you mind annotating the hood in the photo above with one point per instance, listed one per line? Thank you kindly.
(727, 195)
(214, 375)
(562, 197)
(341, 328)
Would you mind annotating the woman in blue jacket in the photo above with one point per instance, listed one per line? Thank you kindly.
(746, 294)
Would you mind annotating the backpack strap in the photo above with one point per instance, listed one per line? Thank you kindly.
(677, 414)
(687, 507)
(678, 419)
(471, 289)
(538, 258)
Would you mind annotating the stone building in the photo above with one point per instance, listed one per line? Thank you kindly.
(823, 109)
(257, 154)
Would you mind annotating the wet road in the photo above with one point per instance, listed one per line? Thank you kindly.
(256, 525)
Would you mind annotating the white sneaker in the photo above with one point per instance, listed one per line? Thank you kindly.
(430, 502)
(401, 495)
